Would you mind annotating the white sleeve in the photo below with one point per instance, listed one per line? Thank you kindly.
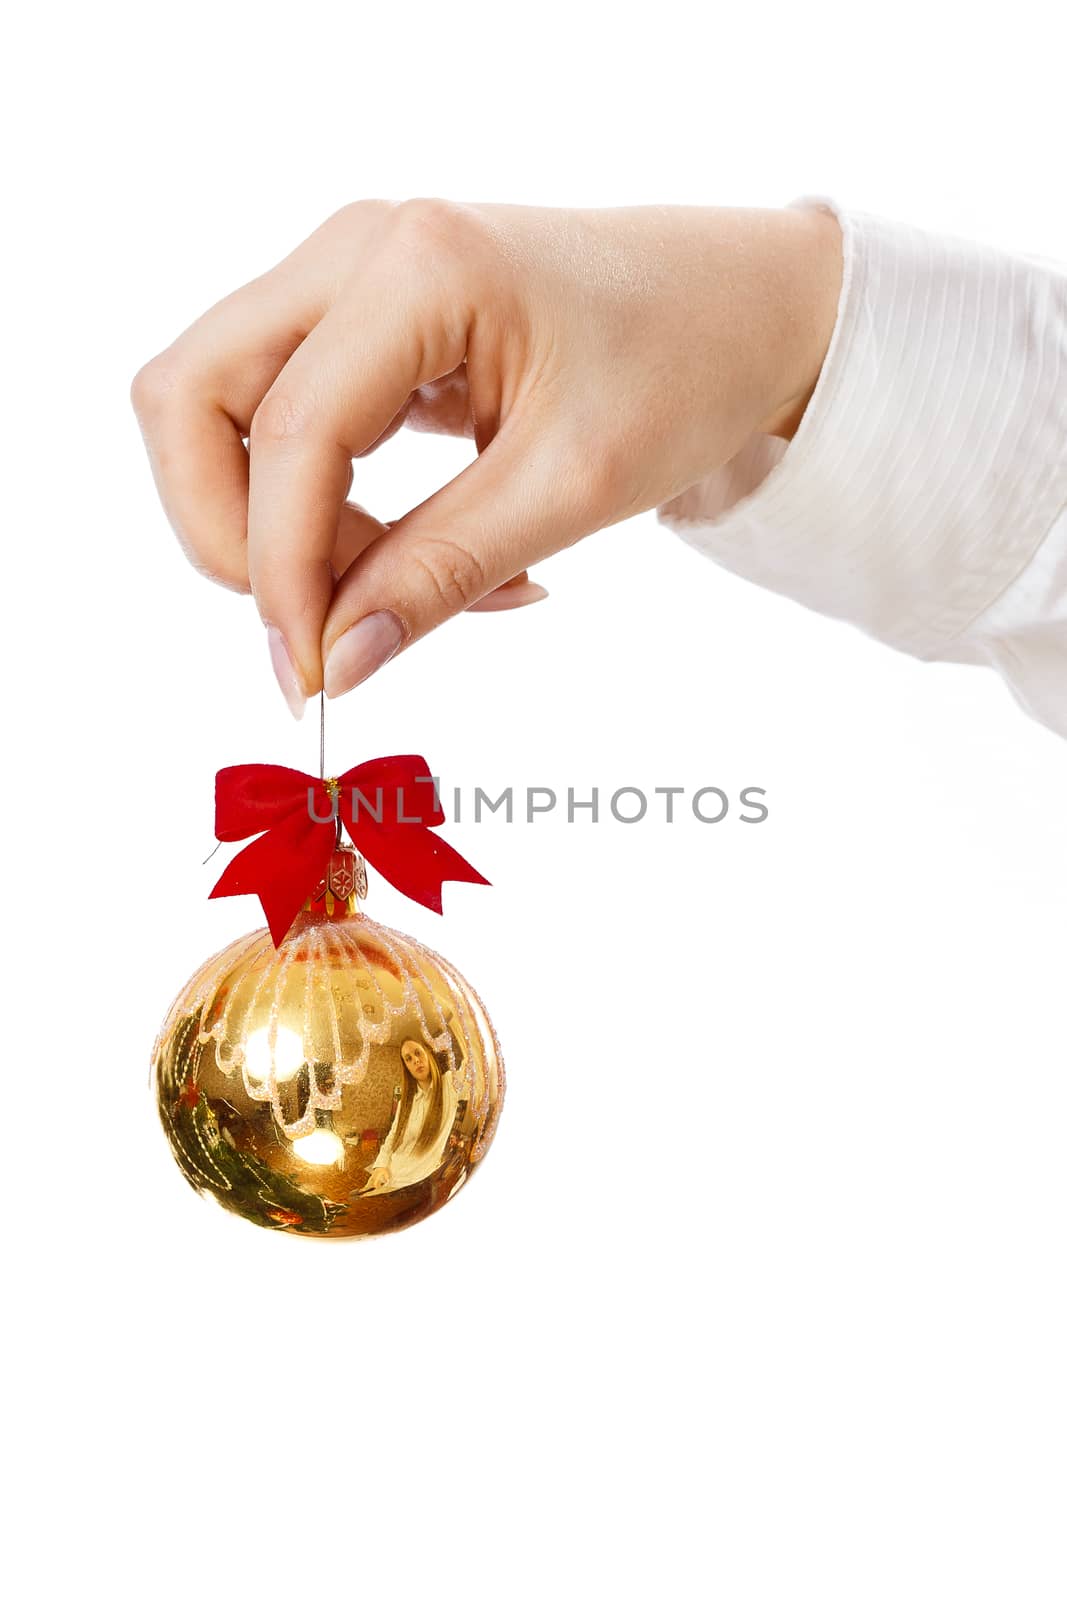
(924, 495)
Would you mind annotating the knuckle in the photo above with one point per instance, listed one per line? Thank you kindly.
(442, 230)
(426, 217)
(352, 220)
(358, 212)
(153, 387)
(227, 573)
(222, 561)
(453, 573)
(280, 418)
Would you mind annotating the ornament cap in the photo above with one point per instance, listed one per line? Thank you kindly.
(337, 894)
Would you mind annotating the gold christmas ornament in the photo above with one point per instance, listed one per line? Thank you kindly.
(346, 1083)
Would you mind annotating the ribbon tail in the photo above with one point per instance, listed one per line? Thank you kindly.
(414, 860)
(281, 867)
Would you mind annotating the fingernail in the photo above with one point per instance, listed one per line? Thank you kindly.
(510, 597)
(365, 647)
(285, 672)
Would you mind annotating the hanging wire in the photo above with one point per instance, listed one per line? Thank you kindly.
(322, 733)
(322, 762)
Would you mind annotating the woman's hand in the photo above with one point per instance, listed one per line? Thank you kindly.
(602, 361)
(377, 1180)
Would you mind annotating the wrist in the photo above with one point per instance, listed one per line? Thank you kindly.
(808, 267)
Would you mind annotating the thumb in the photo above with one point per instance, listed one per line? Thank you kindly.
(510, 507)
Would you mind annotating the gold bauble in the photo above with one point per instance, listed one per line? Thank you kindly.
(344, 1084)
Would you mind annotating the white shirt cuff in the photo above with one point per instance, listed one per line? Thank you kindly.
(930, 467)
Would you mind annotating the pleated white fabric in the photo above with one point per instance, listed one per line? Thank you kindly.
(924, 495)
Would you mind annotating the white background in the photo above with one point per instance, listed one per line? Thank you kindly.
(761, 1290)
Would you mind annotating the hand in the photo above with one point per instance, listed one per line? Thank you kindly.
(602, 361)
(377, 1180)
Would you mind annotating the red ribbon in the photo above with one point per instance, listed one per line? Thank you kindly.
(387, 808)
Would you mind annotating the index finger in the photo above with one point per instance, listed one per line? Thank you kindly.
(334, 398)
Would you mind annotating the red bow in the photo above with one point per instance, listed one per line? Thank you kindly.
(387, 807)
